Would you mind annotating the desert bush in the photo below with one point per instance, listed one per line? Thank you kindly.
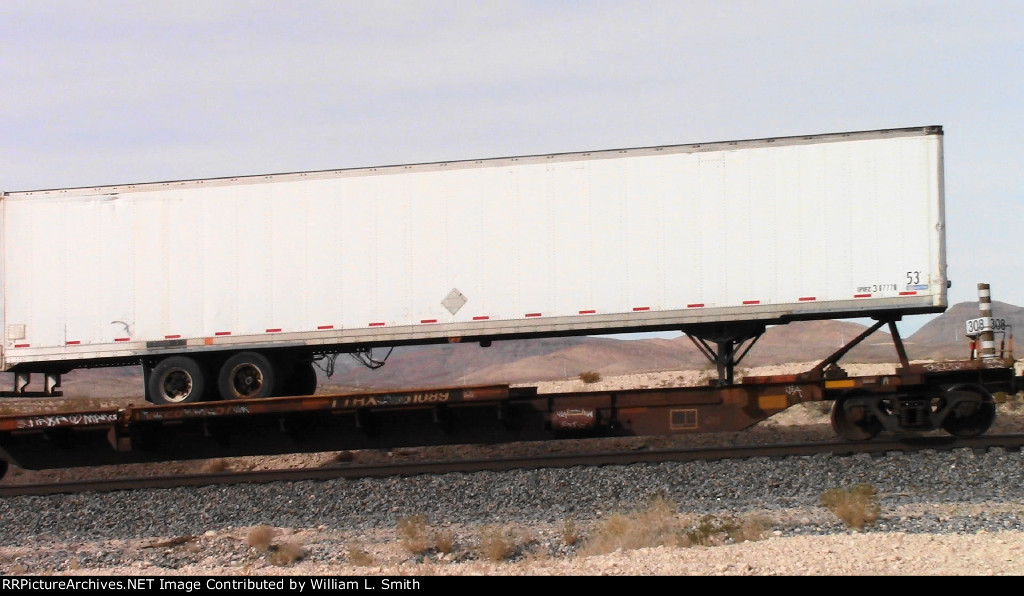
(417, 537)
(413, 534)
(570, 533)
(590, 377)
(713, 530)
(656, 525)
(498, 543)
(857, 507)
(285, 553)
(260, 537)
(660, 525)
(261, 540)
(358, 556)
(444, 541)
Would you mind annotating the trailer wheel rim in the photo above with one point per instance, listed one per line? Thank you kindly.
(246, 380)
(177, 386)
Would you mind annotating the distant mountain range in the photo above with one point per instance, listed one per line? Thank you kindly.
(524, 361)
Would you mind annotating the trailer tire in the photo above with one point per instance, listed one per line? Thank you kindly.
(176, 380)
(248, 375)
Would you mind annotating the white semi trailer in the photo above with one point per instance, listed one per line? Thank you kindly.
(233, 287)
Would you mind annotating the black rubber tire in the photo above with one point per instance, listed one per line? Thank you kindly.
(302, 380)
(248, 375)
(176, 380)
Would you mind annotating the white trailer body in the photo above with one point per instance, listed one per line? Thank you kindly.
(657, 238)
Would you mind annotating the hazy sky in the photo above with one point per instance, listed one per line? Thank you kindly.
(102, 92)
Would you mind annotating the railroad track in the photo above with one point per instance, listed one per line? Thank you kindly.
(592, 458)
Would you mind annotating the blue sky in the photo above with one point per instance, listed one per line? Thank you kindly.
(106, 92)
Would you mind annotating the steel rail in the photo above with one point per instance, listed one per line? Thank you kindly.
(593, 458)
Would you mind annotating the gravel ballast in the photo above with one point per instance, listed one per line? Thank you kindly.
(927, 496)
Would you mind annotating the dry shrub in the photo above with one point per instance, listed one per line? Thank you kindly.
(711, 530)
(286, 553)
(498, 543)
(417, 538)
(444, 541)
(358, 556)
(660, 525)
(752, 528)
(590, 377)
(655, 526)
(260, 537)
(570, 533)
(413, 534)
(857, 507)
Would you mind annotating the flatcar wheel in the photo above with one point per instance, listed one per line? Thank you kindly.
(3, 467)
(176, 380)
(851, 429)
(247, 375)
(973, 424)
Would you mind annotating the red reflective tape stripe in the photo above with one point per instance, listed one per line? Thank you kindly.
(428, 321)
(751, 302)
(273, 331)
(73, 342)
(807, 298)
(862, 295)
(587, 312)
(698, 305)
(533, 314)
(222, 333)
(172, 337)
(907, 293)
(122, 339)
(376, 324)
(640, 308)
(325, 326)
(22, 345)
(481, 318)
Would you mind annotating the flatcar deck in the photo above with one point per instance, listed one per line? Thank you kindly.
(381, 419)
